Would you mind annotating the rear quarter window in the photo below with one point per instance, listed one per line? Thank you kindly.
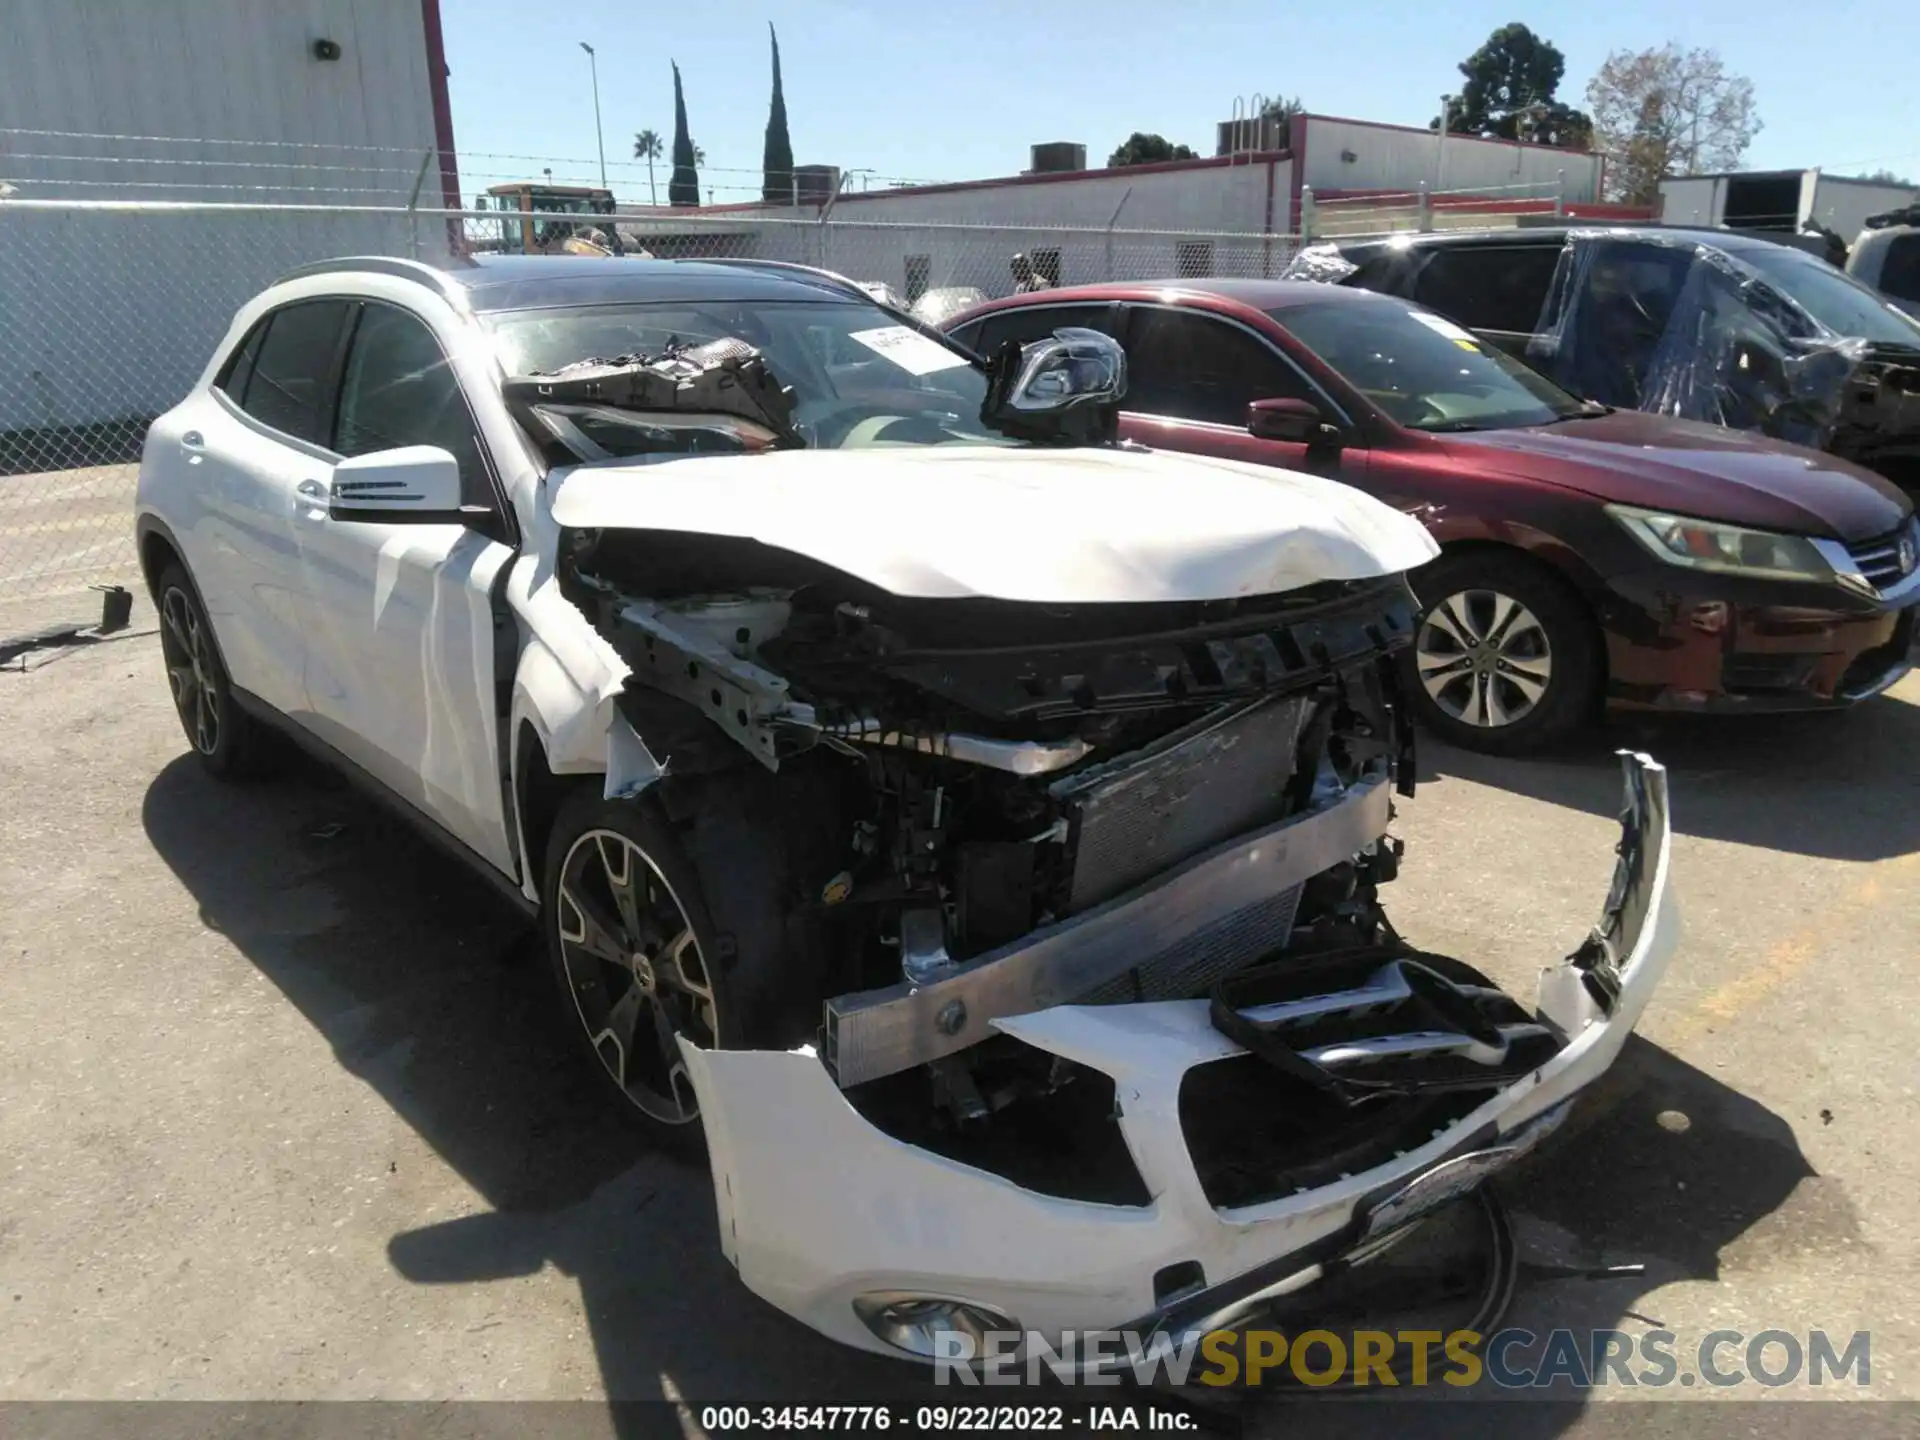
(238, 370)
(288, 388)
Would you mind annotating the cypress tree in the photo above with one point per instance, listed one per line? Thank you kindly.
(684, 187)
(777, 166)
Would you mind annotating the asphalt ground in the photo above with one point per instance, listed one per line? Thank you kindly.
(282, 1116)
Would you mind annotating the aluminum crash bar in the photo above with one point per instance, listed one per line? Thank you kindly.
(881, 1032)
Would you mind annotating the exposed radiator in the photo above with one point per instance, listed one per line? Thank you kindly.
(1191, 964)
(1141, 814)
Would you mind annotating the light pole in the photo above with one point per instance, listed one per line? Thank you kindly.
(599, 135)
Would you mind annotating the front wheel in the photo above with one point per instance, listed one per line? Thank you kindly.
(1504, 658)
(634, 957)
(658, 930)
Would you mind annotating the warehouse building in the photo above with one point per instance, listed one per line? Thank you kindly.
(1780, 200)
(1228, 214)
(234, 102)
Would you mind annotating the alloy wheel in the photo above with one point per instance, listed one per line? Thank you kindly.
(190, 669)
(1483, 658)
(634, 970)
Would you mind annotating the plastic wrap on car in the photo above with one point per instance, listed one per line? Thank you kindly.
(1323, 263)
(1731, 351)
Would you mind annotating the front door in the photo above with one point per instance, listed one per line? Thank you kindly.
(1191, 376)
(243, 448)
(401, 666)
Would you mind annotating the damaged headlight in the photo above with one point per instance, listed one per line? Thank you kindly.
(1723, 549)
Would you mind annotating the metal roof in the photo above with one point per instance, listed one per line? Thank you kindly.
(532, 282)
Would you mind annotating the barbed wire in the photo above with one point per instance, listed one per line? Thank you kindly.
(584, 166)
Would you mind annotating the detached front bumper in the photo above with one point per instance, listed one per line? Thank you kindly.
(819, 1209)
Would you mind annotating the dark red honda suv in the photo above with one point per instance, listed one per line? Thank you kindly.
(1588, 554)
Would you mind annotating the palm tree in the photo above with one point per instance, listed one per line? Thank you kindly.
(648, 146)
(699, 156)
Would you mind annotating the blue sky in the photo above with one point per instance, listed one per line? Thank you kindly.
(960, 92)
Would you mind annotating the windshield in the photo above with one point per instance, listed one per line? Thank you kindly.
(1833, 298)
(1426, 372)
(861, 379)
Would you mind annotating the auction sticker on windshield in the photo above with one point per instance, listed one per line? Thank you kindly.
(1442, 326)
(908, 348)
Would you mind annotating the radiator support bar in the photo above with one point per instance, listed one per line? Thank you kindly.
(881, 1032)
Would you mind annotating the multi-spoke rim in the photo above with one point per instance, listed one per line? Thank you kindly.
(1484, 658)
(634, 970)
(190, 669)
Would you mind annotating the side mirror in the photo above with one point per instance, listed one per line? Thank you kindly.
(1065, 389)
(1297, 421)
(420, 483)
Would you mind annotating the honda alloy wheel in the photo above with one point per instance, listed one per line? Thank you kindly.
(1483, 658)
(1505, 657)
(633, 966)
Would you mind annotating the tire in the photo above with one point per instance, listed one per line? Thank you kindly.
(229, 743)
(631, 969)
(1505, 657)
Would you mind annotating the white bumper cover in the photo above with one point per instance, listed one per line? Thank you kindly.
(818, 1207)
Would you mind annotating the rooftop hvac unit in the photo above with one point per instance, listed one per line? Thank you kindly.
(1057, 156)
(1237, 137)
(815, 184)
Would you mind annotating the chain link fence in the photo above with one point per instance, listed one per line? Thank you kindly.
(110, 310)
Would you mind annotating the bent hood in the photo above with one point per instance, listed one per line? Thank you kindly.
(1064, 527)
(1703, 470)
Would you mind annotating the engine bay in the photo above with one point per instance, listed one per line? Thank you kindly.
(986, 808)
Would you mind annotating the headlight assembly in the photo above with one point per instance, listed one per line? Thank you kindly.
(1723, 549)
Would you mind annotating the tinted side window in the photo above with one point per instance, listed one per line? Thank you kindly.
(398, 389)
(1193, 367)
(1490, 287)
(1036, 322)
(1900, 271)
(288, 388)
(1390, 272)
(238, 370)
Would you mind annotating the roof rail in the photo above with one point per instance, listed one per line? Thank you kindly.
(417, 270)
(826, 278)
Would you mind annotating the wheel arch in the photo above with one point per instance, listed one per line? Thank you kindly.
(538, 794)
(157, 546)
(1577, 581)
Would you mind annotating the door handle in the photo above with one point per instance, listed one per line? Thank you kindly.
(310, 500)
(312, 489)
(193, 440)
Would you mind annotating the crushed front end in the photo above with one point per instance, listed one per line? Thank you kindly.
(1089, 1015)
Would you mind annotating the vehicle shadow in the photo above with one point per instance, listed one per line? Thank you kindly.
(1836, 785)
(429, 988)
(1662, 1167)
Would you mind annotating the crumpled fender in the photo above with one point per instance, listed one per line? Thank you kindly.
(564, 686)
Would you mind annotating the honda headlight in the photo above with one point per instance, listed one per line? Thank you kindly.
(1723, 549)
